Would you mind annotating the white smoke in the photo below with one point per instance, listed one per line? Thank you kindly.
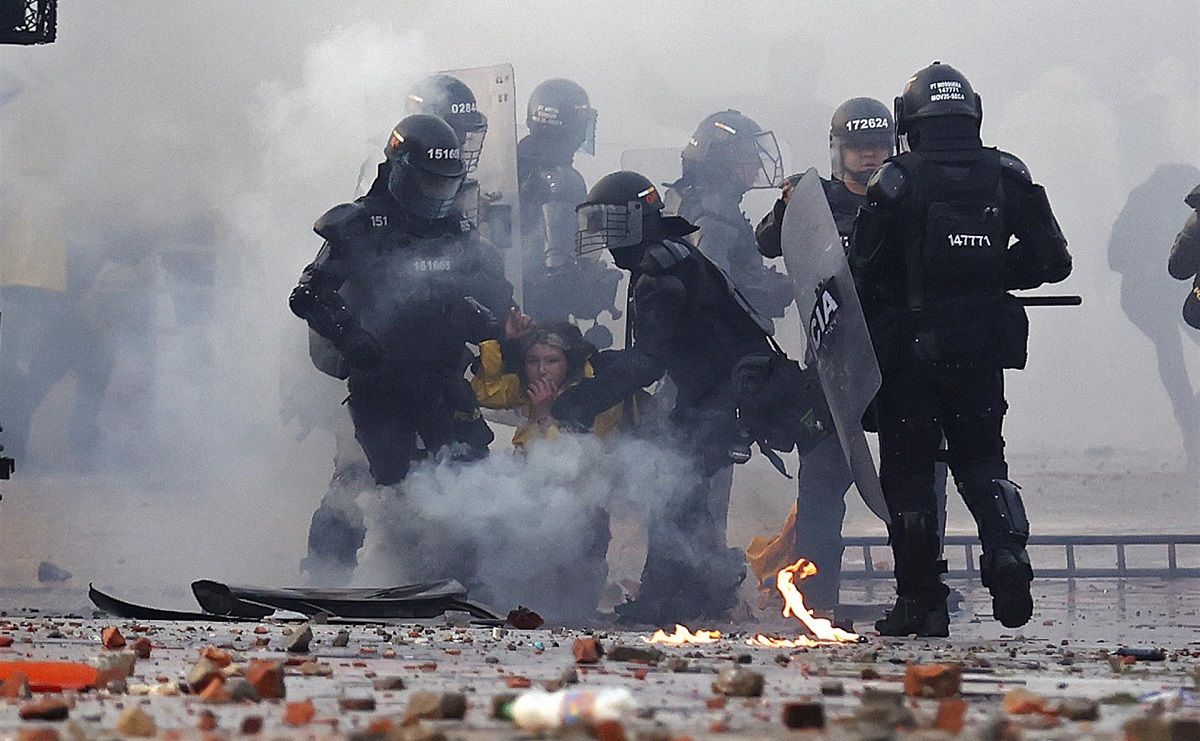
(517, 524)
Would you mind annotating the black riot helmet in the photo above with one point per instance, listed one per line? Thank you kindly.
(859, 123)
(449, 98)
(937, 93)
(622, 211)
(559, 110)
(730, 147)
(426, 166)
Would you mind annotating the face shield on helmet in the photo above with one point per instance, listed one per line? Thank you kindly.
(765, 164)
(427, 168)
(604, 226)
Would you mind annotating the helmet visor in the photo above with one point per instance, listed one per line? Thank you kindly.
(426, 194)
(768, 161)
(603, 226)
(472, 146)
(588, 145)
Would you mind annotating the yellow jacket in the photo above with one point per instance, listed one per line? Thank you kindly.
(495, 389)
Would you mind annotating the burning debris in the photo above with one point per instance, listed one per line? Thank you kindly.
(683, 636)
(823, 631)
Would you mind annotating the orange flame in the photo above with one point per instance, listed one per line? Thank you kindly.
(682, 635)
(822, 630)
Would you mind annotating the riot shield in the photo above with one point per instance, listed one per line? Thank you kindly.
(499, 214)
(834, 326)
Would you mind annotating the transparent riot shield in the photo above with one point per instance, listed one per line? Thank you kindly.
(834, 326)
(498, 211)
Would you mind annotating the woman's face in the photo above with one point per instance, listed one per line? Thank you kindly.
(545, 363)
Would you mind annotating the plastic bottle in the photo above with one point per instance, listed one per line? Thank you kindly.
(547, 711)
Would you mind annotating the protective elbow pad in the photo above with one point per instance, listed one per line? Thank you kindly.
(1045, 237)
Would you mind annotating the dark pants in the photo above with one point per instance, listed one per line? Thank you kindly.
(389, 416)
(919, 403)
(689, 570)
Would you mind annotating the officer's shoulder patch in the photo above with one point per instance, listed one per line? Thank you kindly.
(664, 255)
(341, 221)
(1013, 164)
(887, 184)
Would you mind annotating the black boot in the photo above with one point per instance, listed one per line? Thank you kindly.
(1004, 566)
(920, 595)
(1007, 574)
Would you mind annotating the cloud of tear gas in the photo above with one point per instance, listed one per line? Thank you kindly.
(522, 530)
(198, 142)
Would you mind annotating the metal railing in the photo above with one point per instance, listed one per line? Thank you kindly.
(1069, 543)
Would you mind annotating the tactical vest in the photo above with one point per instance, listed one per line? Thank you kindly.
(956, 231)
(844, 206)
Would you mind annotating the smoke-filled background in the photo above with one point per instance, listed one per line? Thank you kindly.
(185, 149)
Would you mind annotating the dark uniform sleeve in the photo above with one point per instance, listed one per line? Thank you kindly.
(767, 235)
(872, 259)
(618, 375)
(1184, 261)
(1040, 255)
(316, 299)
(660, 302)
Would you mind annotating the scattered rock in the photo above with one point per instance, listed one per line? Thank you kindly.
(298, 642)
(37, 733)
(5, 641)
(803, 714)
(46, 709)
(299, 713)
(111, 638)
(833, 688)
(388, 684)
(203, 673)
(502, 706)
(569, 676)
(739, 683)
(241, 690)
(206, 721)
(137, 723)
(677, 664)
(587, 651)
(49, 573)
(499, 632)
(884, 709)
(219, 658)
(635, 654)
(951, 715)
(435, 706)
(252, 725)
(523, 618)
(342, 639)
(117, 664)
(215, 693)
(267, 679)
(1024, 702)
(141, 648)
(1077, 709)
(932, 680)
(358, 704)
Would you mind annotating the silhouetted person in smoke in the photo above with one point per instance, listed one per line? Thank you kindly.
(1141, 238)
(558, 284)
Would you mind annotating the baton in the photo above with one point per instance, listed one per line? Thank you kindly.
(1050, 300)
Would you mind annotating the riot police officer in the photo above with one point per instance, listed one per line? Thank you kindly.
(331, 555)
(861, 135)
(933, 263)
(728, 156)
(687, 319)
(557, 283)
(397, 288)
